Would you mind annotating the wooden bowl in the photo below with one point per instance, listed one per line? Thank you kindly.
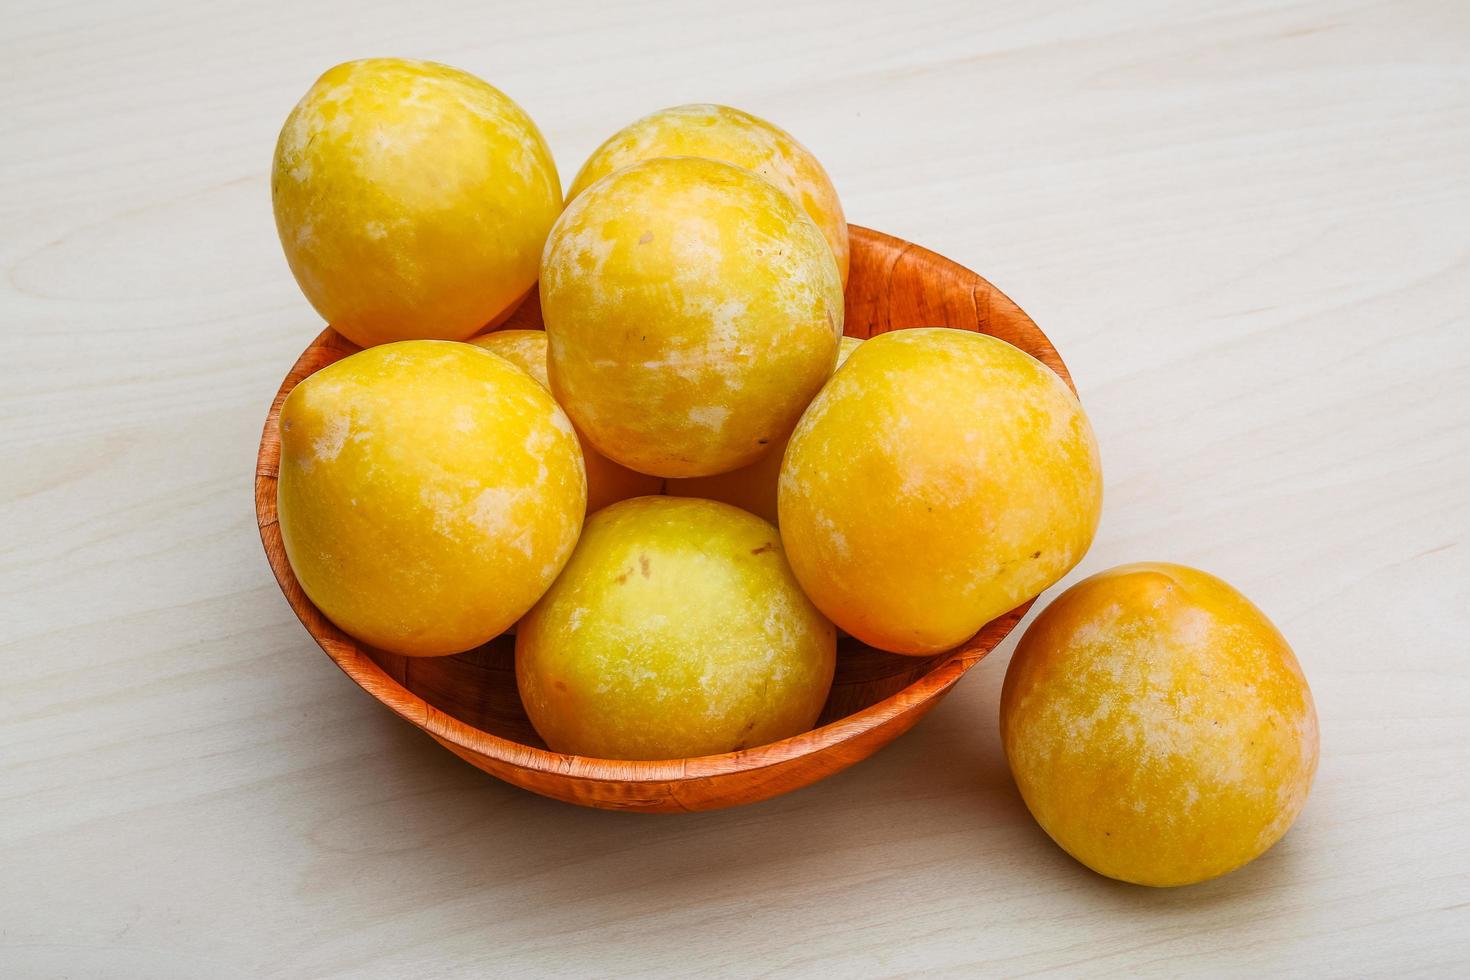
(468, 702)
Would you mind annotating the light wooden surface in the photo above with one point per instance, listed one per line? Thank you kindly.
(1245, 225)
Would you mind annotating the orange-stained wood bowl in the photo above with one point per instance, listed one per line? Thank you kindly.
(469, 704)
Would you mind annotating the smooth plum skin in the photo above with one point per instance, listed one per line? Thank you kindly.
(692, 312)
(412, 200)
(939, 480)
(429, 493)
(676, 630)
(1158, 725)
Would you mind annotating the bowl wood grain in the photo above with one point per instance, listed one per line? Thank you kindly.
(469, 704)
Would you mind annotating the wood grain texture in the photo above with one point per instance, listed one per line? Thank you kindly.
(468, 702)
(1246, 225)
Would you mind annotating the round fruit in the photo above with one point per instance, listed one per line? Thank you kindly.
(429, 493)
(607, 481)
(718, 132)
(1158, 725)
(676, 630)
(692, 312)
(412, 200)
(752, 487)
(940, 479)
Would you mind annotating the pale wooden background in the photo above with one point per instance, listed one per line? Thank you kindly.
(1246, 226)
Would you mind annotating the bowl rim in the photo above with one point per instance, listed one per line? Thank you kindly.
(351, 657)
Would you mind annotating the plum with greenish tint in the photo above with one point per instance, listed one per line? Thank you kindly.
(676, 630)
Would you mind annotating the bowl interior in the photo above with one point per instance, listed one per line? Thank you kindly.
(470, 700)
